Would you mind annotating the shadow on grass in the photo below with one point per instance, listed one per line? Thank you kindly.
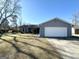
(18, 49)
(1, 34)
(52, 52)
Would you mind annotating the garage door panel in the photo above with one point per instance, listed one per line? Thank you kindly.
(55, 31)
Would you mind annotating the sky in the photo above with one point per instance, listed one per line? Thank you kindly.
(39, 11)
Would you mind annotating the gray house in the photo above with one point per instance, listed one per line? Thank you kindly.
(55, 28)
(29, 29)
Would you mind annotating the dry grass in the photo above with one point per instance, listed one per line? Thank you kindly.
(26, 46)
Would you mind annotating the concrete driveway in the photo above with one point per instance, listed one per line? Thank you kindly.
(67, 47)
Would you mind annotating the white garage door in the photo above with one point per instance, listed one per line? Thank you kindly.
(56, 31)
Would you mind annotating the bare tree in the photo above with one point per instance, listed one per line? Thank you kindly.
(75, 20)
(14, 20)
(20, 21)
(9, 8)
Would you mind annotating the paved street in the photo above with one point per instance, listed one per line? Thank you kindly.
(69, 49)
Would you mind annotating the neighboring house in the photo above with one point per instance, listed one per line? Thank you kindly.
(29, 29)
(55, 28)
(75, 29)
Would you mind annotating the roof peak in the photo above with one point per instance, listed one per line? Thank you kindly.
(56, 18)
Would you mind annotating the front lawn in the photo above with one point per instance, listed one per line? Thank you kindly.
(26, 46)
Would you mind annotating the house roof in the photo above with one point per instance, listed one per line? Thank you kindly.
(58, 19)
(30, 26)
